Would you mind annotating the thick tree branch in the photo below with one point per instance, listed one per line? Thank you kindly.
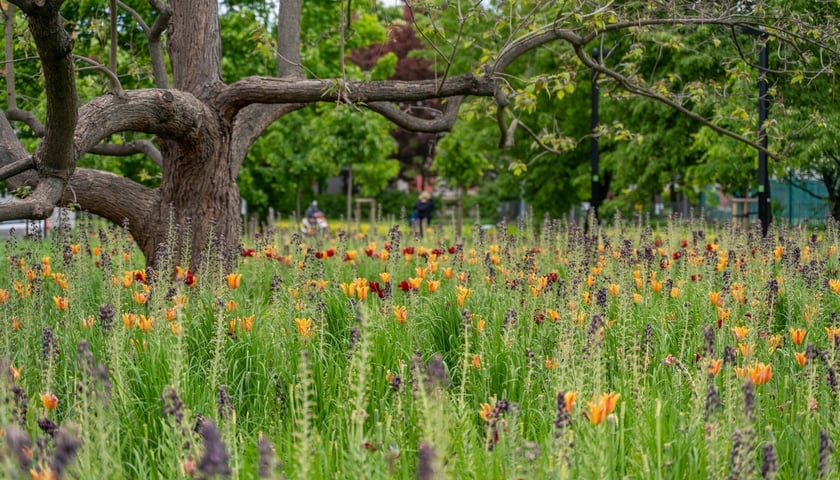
(273, 90)
(113, 197)
(169, 114)
(55, 154)
(16, 167)
(55, 157)
(138, 146)
(442, 123)
(39, 204)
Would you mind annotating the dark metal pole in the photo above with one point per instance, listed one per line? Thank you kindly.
(764, 211)
(595, 202)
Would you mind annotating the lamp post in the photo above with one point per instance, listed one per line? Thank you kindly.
(764, 212)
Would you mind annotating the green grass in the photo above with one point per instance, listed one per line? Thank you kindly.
(363, 395)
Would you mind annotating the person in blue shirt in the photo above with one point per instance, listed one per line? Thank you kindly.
(423, 211)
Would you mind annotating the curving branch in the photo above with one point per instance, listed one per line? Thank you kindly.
(169, 114)
(113, 80)
(642, 91)
(442, 123)
(29, 119)
(125, 149)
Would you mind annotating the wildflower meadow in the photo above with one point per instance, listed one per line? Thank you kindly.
(687, 351)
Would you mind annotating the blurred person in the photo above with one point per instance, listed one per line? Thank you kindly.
(422, 213)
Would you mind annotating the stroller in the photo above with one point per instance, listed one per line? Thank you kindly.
(315, 225)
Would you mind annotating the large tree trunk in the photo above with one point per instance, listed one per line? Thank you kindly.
(198, 188)
(199, 193)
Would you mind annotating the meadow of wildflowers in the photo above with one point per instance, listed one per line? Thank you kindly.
(686, 352)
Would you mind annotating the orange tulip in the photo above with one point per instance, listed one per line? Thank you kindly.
(247, 323)
(59, 279)
(801, 358)
(415, 282)
(746, 349)
(569, 398)
(233, 280)
(479, 324)
(305, 328)
(656, 285)
(61, 302)
(140, 297)
(15, 372)
(605, 405)
(145, 323)
(401, 313)
(714, 366)
(486, 412)
(362, 290)
(740, 333)
(760, 373)
(462, 294)
(49, 400)
(129, 319)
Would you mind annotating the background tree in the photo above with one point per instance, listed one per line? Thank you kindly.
(415, 150)
(462, 164)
